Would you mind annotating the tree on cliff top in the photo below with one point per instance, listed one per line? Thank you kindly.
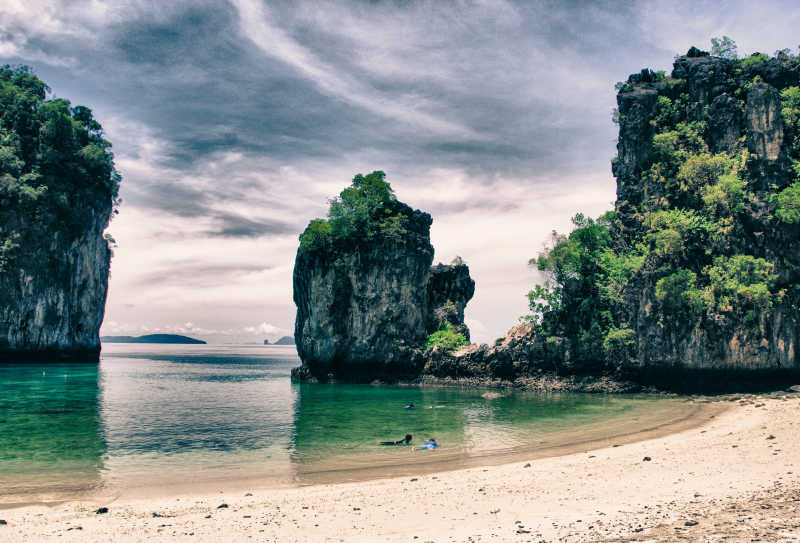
(364, 210)
(724, 47)
(55, 166)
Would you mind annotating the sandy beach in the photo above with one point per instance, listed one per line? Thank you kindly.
(734, 476)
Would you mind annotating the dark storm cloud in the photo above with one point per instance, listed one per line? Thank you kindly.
(449, 84)
(197, 273)
(188, 202)
(230, 225)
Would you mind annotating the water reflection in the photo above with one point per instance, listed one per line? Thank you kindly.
(160, 418)
(51, 435)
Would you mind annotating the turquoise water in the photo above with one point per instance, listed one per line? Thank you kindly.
(167, 416)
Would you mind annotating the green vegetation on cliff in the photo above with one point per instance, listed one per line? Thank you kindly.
(364, 211)
(55, 166)
(705, 227)
(447, 338)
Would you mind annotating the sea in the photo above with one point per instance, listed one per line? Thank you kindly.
(161, 419)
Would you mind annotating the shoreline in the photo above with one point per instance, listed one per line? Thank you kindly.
(645, 421)
(669, 487)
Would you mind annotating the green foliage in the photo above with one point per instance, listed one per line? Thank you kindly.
(726, 197)
(675, 145)
(678, 233)
(447, 338)
(55, 165)
(753, 61)
(741, 283)
(723, 47)
(618, 344)
(571, 302)
(616, 271)
(679, 296)
(6, 252)
(790, 111)
(788, 204)
(364, 211)
(316, 234)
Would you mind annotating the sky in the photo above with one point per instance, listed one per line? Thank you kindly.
(234, 122)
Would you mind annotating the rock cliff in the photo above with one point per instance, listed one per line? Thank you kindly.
(730, 179)
(368, 298)
(57, 192)
(693, 280)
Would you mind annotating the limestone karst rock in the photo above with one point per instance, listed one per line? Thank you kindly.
(365, 308)
(58, 188)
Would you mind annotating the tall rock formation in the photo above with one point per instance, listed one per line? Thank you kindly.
(734, 109)
(368, 299)
(58, 187)
(693, 281)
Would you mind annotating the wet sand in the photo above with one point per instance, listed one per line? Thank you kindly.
(732, 472)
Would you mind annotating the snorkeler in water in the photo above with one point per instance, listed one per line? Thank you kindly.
(428, 445)
(405, 441)
(409, 406)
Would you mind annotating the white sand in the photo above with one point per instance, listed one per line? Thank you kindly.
(727, 475)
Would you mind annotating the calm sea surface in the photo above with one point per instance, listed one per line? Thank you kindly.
(168, 416)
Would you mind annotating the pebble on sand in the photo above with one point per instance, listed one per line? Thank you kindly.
(102, 511)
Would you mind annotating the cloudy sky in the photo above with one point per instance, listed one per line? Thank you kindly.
(234, 121)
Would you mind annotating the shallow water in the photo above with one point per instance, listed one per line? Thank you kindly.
(168, 416)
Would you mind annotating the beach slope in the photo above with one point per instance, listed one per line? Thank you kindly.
(736, 475)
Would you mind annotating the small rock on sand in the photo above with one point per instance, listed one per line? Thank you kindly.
(690, 523)
(222, 506)
(527, 465)
(102, 511)
(646, 459)
(3, 523)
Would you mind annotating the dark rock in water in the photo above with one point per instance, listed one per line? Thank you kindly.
(285, 340)
(102, 511)
(521, 353)
(153, 338)
(59, 191)
(365, 308)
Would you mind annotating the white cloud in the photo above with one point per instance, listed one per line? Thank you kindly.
(265, 329)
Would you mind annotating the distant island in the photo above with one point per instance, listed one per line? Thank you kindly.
(285, 340)
(152, 338)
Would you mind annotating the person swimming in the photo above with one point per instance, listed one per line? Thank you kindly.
(409, 406)
(429, 445)
(405, 441)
